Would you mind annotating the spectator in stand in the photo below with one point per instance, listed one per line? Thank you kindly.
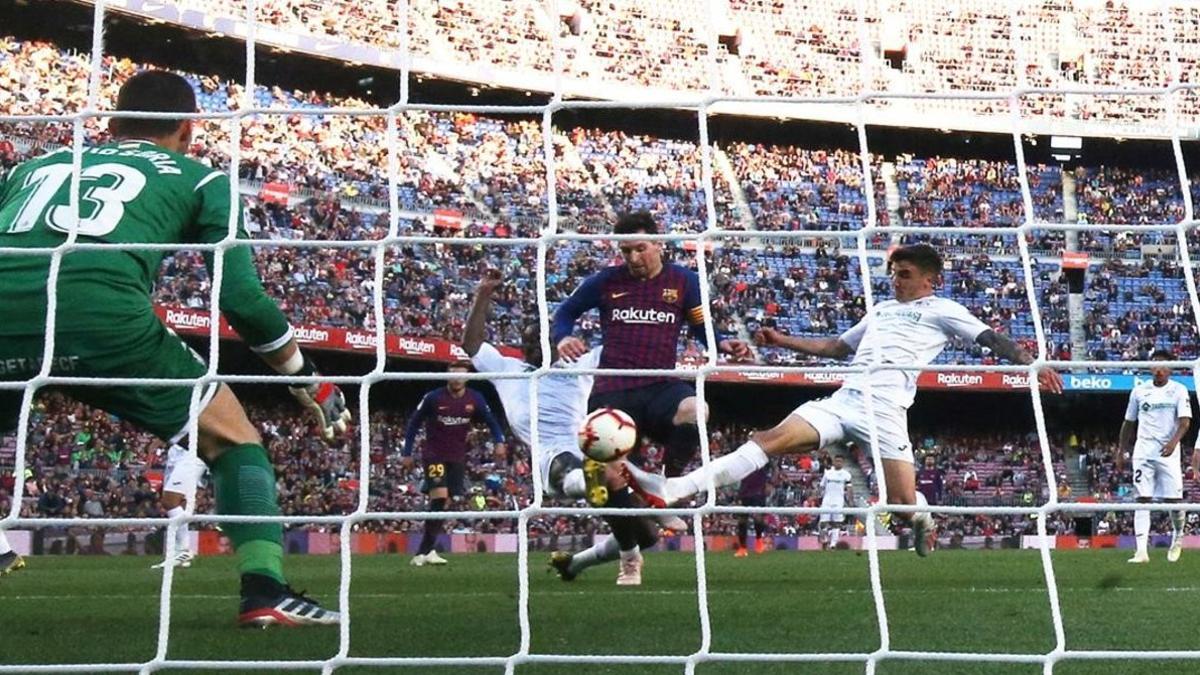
(930, 481)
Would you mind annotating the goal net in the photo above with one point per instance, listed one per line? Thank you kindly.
(1028, 108)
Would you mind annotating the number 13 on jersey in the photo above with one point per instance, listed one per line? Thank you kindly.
(104, 190)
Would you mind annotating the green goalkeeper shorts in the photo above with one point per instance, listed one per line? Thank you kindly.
(148, 351)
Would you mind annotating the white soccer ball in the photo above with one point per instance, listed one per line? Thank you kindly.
(607, 434)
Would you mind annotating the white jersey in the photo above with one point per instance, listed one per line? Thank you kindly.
(833, 486)
(909, 334)
(1157, 411)
(562, 399)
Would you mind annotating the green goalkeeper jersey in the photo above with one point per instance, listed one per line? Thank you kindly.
(133, 192)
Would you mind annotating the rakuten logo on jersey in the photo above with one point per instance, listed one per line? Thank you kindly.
(311, 335)
(1093, 382)
(646, 317)
(410, 346)
(959, 379)
(188, 319)
(361, 340)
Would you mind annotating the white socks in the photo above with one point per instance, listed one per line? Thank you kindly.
(922, 515)
(1177, 520)
(573, 485)
(182, 541)
(607, 550)
(834, 534)
(724, 470)
(1141, 528)
(4, 547)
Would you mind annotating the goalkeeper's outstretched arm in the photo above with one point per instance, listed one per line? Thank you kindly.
(256, 317)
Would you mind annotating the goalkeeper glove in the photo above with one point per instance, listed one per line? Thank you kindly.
(325, 401)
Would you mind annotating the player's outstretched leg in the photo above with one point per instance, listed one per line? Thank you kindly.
(661, 492)
(568, 565)
(1141, 531)
(244, 484)
(793, 434)
(10, 561)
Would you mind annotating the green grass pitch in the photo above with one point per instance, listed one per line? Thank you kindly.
(89, 609)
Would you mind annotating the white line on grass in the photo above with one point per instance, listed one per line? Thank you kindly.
(616, 591)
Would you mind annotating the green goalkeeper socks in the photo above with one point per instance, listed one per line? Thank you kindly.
(244, 483)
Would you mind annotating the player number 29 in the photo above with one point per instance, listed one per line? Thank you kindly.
(437, 470)
(104, 190)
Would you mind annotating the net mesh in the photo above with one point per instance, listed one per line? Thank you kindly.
(1016, 99)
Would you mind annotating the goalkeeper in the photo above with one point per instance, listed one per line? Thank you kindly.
(141, 189)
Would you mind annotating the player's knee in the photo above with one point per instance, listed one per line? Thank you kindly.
(563, 464)
(223, 424)
(900, 493)
(686, 412)
(793, 434)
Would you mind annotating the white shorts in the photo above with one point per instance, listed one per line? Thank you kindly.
(839, 518)
(843, 416)
(183, 475)
(547, 458)
(1158, 477)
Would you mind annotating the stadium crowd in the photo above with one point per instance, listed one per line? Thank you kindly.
(490, 171)
(804, 48)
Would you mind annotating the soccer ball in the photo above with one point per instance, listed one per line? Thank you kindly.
(607, 434)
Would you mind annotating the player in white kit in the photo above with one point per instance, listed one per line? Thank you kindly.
(184, 473)
(910, 330)
(562, 405)
(1161, 412)
(835, 485)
